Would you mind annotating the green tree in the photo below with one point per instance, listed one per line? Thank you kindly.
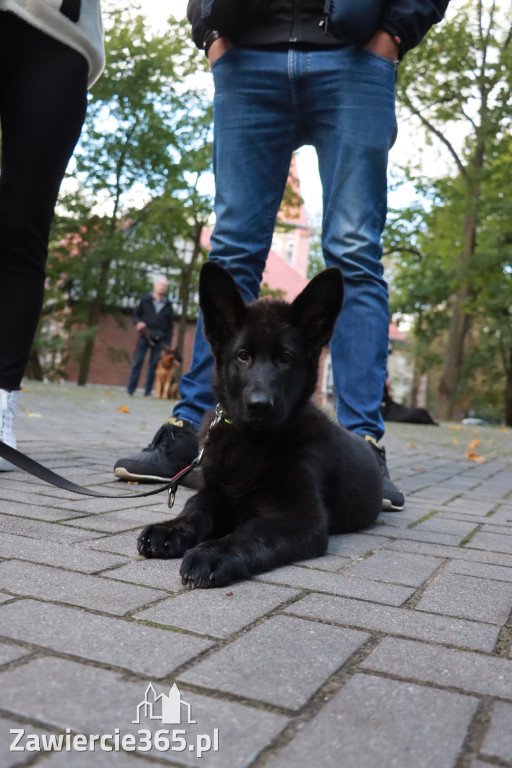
(457, 81)
(146, 137)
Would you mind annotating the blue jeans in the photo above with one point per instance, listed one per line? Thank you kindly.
(140, 353)
(266, 105)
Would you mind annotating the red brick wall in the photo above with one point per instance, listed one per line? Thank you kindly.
(113, 352)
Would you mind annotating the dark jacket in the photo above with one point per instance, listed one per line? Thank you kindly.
(315, 22)
(161, 321)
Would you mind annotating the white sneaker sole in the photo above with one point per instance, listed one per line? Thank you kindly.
(387, 506)
(124, 474)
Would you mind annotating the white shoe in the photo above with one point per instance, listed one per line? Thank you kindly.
(8, 402)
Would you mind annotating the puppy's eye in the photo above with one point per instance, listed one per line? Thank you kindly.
(243, 356)
(285, 356)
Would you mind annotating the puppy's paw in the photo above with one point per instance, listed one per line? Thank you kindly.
(165, 540)
(211, 565)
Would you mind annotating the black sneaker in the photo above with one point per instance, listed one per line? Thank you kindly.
(173, 448)
(392, 499)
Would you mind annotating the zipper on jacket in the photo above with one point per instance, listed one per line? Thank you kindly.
(325, 21)
(293, 31)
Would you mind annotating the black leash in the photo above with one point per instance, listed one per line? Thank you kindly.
(33, 467)
(22, 461)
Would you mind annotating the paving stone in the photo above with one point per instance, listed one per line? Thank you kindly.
(503, 515)
(397, 621)
(32, 510)
(468, 597)
(219, 612)
(373, 722)
(8, 495)
(459, 553)
(338, 584)
(123, 520)
(498, 741)
(396, 567)
(465, 670)
(39, 529)
(501, 530)
(10, 759)
(50, 553)
(330, 563)
(462, 484)
(410, 514)
(419, 535)
(75, 588)
(439, 524)
(10, 653)
(88, 700)
(475, 519)
(120, 543)
(492, 541)
(481, 570)
(4, 598)
(95, 759)
(262, 664)
(471, 506)
(145, 650)
(87, 506)
(354, 544)
(161, 574)
(437, 494)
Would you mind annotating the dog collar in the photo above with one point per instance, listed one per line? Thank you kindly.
(220, 415)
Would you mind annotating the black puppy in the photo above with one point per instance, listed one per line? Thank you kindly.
(279, 474)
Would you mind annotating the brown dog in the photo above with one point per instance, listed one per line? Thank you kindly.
(168, 362)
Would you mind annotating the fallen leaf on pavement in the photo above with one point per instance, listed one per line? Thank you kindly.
(473, 456)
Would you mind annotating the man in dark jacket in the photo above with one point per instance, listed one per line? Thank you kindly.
(153, 319)
(289, 73)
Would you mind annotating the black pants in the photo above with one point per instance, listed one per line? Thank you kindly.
(43, 97)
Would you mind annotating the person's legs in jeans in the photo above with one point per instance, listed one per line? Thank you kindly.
(138, 361)
(153, 360)
(353, 132)
(254, 138)
(351, 117)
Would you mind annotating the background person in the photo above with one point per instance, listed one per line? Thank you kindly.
(282, 80)
(153, 319)
(49, 54)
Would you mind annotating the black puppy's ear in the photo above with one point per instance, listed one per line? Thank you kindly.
(315, 309)
(221, 303)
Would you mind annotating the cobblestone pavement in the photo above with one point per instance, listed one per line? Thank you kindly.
(392, 650)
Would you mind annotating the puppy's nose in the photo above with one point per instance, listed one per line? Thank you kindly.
(259, 402)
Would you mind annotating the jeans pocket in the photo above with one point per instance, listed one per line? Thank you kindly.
(223, 57)
(379, 57)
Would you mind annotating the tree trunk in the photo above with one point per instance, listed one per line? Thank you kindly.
(459, 323)
(415, 385)
(186, 277)
(449, 383)
(92, 322)
(508, 395)
(34, 369)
